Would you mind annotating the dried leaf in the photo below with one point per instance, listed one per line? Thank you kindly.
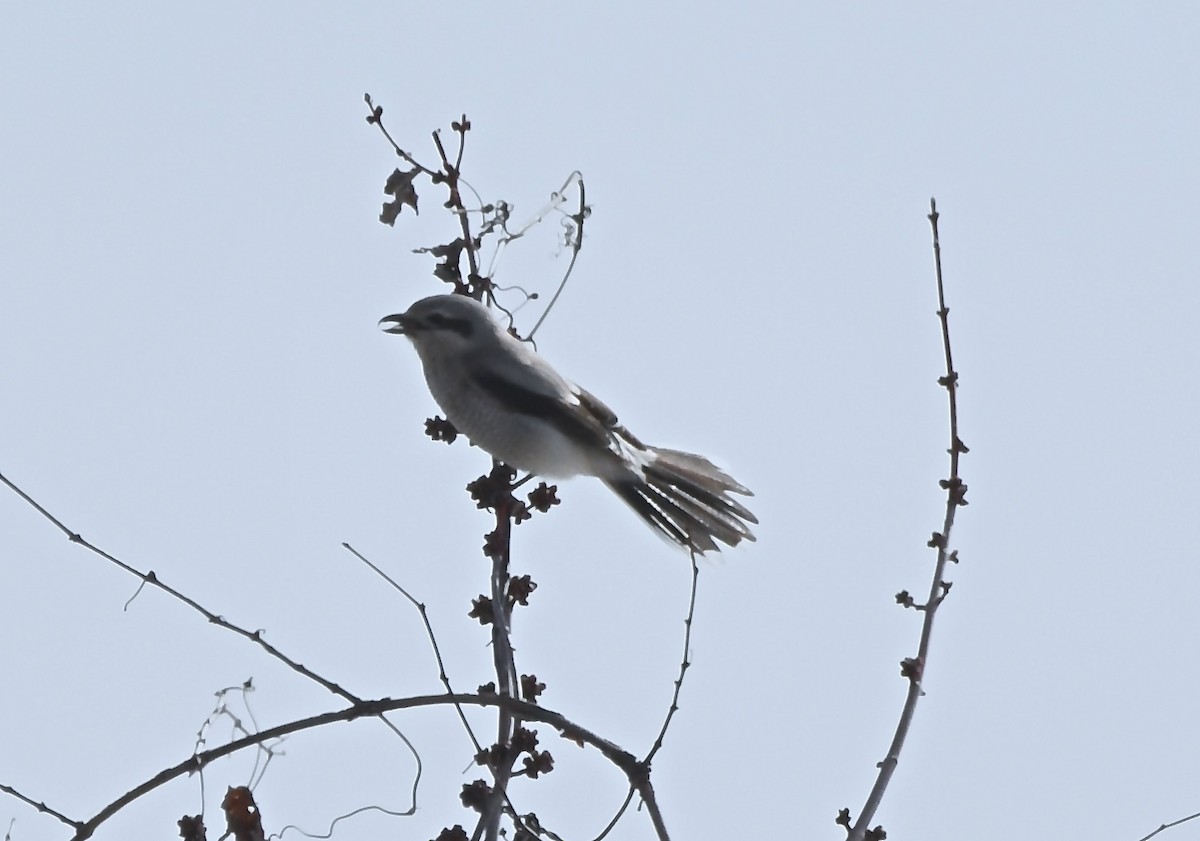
(400, 185)
(242, 816)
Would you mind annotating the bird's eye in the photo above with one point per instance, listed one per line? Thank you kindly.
(447, 324)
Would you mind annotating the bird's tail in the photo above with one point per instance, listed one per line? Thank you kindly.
(687, 498)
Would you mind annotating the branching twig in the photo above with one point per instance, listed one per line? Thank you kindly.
(511, 688)
(914, 668)
(575, 238)
(255, 636)
(495, 491)
(377, 118)
(222, 710)
(501, 756)
(450, 174)
(152, 579)
(635, 771)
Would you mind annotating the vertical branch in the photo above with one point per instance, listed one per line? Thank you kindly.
(913, 668)
(493, 491)
(450, 174)
(503, 757)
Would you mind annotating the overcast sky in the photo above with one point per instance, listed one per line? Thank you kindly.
(192, 377)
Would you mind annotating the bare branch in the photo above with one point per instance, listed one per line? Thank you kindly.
(450, 174)
(376, 117)
(41, 807)
(683, 665)
(636, 771)
(152, 579)
(437, 653)
(1170, 825)
(255, 636)
(500, 543)
(913, 668)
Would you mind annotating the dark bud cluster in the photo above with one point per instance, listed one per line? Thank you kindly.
(912, 668)
(440, 429)
(474, 795)
(454, 833)
(520, 588)
(843, 819)
(481, 609)
(191, 828)
(531, 689)
(956, 488)
(544, 496)
(493, 490)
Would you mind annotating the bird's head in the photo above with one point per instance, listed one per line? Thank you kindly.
(447, 321)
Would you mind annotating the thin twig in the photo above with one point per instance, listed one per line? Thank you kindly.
(683, 665)
(456, 204)
(1170, 825)
(617, 817)
(437, 653)
(576, 243)
(377, 118)
(41, 807)
(219, 621)
(914, 669)
(151, 578)
(328, 833)
(222, 710)
(463, 127)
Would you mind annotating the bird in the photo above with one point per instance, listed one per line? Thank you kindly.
(503, 396)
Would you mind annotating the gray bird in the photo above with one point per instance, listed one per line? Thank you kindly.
(504, 397)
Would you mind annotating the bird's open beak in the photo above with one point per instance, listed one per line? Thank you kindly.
(393, 323)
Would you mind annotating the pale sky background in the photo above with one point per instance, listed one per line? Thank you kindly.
(192, 378)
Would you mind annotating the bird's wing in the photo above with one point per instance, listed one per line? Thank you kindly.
(536, 390)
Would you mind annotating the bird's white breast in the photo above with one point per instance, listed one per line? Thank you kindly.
(522, 441)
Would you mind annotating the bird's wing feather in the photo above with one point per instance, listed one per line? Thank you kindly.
(573, 411)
